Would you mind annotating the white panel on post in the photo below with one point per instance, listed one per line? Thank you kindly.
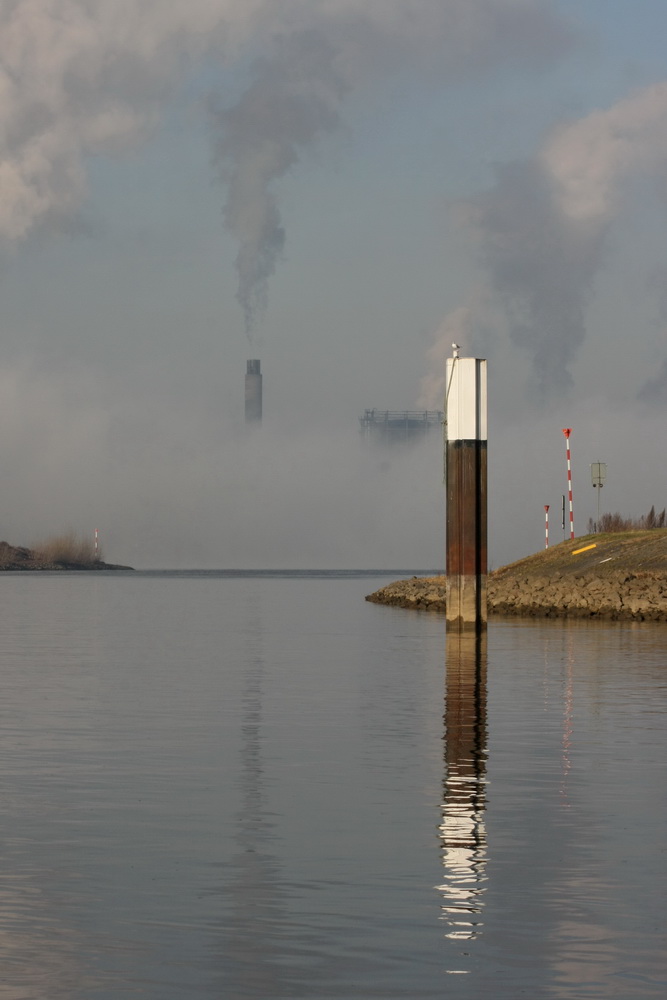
(465, 405)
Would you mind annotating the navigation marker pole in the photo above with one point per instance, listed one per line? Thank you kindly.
(567, 431)
(465, 479)
(546, 525)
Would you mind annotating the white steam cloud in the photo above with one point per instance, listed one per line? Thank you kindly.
(540, 232)
(588, 160)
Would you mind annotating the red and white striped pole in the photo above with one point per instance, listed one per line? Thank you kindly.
(546, 525)
(567, 431)
(97, 547)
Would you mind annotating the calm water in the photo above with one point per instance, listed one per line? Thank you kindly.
(238, 787)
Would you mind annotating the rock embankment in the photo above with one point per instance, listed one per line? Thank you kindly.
(642, 597)
(426, 593)
(617, 577)
(618, 595)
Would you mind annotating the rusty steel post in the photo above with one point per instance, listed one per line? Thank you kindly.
(466, 479)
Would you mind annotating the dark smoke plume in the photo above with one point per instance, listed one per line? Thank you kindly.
(291, 103)
(79, 79)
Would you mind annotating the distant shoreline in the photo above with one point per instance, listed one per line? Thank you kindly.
(17, 559)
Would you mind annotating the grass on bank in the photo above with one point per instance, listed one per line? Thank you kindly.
(67, 549)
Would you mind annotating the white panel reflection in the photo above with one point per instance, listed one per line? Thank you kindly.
(462, 830)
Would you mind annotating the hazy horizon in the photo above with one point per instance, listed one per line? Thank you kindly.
(340, 190)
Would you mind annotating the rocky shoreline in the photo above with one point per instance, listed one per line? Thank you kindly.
(617, 578)
(624, 596)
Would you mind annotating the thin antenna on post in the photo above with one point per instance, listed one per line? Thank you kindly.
(598, 476)
(562, 515)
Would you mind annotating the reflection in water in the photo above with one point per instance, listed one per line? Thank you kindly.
(254, 962)
(462, 831)
(568, 723)
(193, 808)
(39, 954)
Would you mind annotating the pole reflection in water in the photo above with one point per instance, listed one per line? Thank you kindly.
(254, 964)
(462, 830)
(568, 723)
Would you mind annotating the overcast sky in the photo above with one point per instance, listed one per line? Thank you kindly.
(341, 189)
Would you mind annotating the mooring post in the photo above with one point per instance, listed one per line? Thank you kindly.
(465, 478)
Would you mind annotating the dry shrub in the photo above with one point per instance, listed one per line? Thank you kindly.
(68, 549)
(616, 522)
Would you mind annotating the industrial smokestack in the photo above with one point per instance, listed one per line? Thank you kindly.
(253, 393)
